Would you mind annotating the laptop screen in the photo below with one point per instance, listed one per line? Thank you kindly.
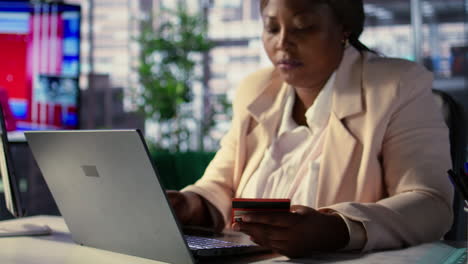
(10, 187)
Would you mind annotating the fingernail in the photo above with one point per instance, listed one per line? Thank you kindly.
(236, 227)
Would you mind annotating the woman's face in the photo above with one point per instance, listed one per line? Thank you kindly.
(303, 39)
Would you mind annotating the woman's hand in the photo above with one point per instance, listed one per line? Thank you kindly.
(182, 206)
(297, 233)
(191, 209)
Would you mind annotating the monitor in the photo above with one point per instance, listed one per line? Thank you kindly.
(39, 73)
(10, 184)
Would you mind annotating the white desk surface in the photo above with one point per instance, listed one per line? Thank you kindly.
(60, 248)
(56, 248)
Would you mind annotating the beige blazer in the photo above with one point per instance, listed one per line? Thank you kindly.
(385, 156)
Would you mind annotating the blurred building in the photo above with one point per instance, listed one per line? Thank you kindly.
(111, 48)
(438, 41)
(103, 107)
(110, 55)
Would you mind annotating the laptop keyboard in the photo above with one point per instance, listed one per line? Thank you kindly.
(196, 242)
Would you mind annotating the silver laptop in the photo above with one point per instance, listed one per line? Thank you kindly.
(110, 196)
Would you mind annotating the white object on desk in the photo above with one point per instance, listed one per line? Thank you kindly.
(13, 229)
(16, 136)
(58, 248)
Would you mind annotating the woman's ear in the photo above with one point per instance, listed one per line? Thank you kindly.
(345, 39)
(346, 34)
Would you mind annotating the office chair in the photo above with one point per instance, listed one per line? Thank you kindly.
(454, 118)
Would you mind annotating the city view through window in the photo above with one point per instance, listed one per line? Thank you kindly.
(438, 41)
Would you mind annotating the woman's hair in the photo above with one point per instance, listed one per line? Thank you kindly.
(350, 14)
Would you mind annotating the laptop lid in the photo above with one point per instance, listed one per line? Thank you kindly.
(10, 185)
(108, 192)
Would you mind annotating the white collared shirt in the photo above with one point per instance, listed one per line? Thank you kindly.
(282, 173)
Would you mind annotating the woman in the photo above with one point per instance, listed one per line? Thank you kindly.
(353, 139)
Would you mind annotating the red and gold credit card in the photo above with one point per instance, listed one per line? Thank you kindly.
(242, 206)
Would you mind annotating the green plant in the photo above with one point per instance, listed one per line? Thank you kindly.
(168, 56)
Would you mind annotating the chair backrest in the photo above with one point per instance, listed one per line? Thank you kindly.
(454, 118)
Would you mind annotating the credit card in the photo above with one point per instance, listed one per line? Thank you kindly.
(242, 206)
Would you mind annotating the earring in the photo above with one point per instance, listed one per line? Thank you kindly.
(345, 42)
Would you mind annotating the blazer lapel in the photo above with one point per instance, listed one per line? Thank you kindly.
(340, 144)
(265, 111)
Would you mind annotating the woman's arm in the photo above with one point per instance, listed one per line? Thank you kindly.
(415, 157)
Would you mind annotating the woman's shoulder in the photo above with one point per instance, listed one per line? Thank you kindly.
(391, 68)
(394, 76)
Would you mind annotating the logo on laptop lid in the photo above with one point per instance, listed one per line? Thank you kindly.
(90, 171)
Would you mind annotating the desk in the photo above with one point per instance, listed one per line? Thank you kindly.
(60, 248)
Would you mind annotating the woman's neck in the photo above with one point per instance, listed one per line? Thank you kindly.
(305, 98)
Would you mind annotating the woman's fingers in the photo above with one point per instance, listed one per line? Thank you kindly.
(280, 219)
(280, 240)
(261, 232)
(272, 219)
(303, 210)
